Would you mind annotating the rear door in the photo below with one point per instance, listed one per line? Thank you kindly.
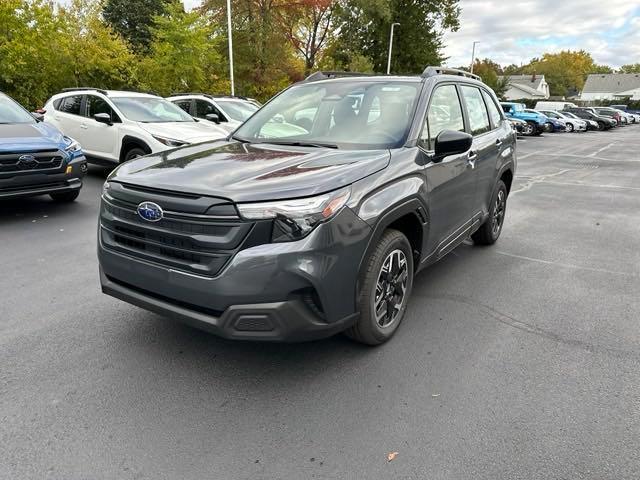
(68, 116)
(451, 182)
(494, 144)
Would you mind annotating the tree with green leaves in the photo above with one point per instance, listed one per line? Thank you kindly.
(183, 54)
(134, 19)
(490, 73)
(630, 68)
(363, 28)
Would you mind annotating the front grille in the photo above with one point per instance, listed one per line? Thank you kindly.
(27, 162)
(192, 243)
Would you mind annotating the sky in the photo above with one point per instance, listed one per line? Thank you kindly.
(514, 31)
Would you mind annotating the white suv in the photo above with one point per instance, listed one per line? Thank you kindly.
(228, 112)
(116, 126)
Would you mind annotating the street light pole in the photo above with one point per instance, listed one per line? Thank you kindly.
(230, 35)
(390, 48)
(473, 55)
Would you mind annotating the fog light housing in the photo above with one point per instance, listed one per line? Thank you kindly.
(69, 169)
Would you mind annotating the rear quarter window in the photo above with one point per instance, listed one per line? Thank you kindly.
(71, 104)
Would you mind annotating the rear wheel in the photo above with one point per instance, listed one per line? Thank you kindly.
(385, 287)
(65, 197)
(528, 129)
(490, 230)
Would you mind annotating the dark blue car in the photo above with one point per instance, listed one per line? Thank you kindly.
(35, 158)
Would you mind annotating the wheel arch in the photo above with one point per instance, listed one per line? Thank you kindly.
(409, 217)
(129, 142)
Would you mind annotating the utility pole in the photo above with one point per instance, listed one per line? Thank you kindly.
(473, 55)
(390, 48)
(230, 35)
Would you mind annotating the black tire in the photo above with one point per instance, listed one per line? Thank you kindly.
(65, 197)
(529, 129)
(133, 153)
(601, 126)
(380, 286)
(490, 230)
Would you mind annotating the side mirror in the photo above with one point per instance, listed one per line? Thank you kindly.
(212, 117)
(451, 142)
(38, 116)
(103, 118)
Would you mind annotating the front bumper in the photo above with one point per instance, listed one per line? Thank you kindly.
(39, 183)
(293, 291)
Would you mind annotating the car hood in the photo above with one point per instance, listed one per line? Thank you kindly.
(191, 132)
(30, 137)
(245, 172)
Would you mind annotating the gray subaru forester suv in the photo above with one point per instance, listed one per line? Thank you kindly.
(314, 216)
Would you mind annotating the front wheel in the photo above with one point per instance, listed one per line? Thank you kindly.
(385, 287)
(601, 126)
(569, 127)
(133, 153)
(490, 230)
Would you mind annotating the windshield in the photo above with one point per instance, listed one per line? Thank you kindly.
(237, 109)
(12, 112)
(570, 115)
(150, 110)
(357, 114)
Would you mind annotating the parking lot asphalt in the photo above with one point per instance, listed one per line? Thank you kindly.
(517, 361)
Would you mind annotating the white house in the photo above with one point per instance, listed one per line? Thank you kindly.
(611, 86)
(527, 86)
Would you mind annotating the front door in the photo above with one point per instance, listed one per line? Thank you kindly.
(451, 182)
(99, 139)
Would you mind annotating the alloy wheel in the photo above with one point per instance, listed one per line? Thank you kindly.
(391, 287)
(499, 208)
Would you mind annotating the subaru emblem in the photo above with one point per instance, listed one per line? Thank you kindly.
(27, 161)
(151, 212)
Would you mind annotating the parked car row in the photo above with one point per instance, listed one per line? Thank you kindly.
(570, 118)
(46, 152)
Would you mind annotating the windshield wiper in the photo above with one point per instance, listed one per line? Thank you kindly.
(295, 143)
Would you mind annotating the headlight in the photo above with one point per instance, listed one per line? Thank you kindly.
(170, 142)
(105, 188)
(72, 145)
(296, 218)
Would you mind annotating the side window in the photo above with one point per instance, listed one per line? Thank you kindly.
(445, 113)
(205, 108)
(99, 105)
(494, 113)
(478, 116)
(184, 105)
(71, 104)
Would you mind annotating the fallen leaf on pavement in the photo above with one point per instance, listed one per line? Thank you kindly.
(391, 456)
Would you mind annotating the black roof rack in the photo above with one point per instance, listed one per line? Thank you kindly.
(73, 89)
(314, 77)
(241, 97)
(432, 71)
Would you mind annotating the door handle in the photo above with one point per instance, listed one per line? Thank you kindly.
(499, 142)
(471, 159)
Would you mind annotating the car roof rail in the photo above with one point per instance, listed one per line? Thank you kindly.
(324, 75)
(80, 89)
(433, 71)
(189, 93)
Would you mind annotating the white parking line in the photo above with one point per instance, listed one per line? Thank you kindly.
(568, 265)
(594, 154)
